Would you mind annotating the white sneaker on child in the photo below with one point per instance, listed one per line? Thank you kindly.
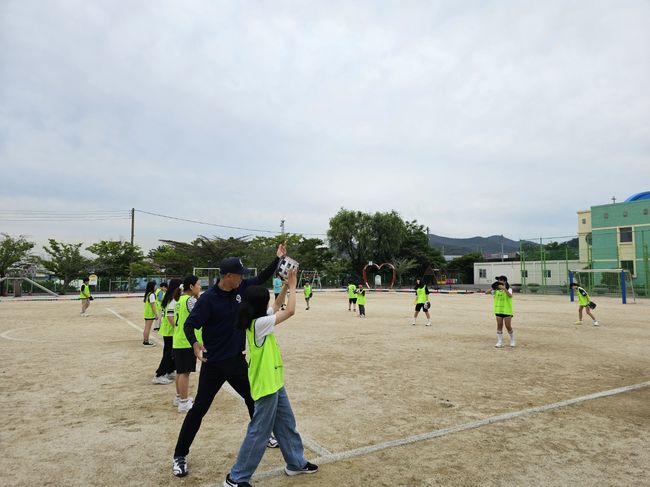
(184, 405)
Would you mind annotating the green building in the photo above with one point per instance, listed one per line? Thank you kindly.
(617, 236)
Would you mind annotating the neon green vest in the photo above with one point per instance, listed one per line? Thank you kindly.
(84, 292)
(180, 314)
(502, 303)
(265, 369)
(148, 312)
(158, 301)
(166, 328)
(351, 291)
(307, 291)
(361, 298)
(582, 300)
(422, 294)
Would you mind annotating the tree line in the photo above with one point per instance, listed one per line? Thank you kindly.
(354, 238)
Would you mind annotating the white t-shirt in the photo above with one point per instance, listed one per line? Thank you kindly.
(152, 298)
(170, 307)
(190, 303)
(264, 325)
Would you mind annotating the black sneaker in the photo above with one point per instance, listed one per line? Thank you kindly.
(148, 344)
(231, 483)
(309, 468)
(179, 466)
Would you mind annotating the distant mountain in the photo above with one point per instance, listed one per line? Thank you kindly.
(462, 246)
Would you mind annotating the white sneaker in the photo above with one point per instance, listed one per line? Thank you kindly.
(176, 400)
(185, 405)
(171, 376)
(499, 345)
(413, 323)
(512, 343)
(596, 323)
(161, 379)
(579, 322)
(428, 323)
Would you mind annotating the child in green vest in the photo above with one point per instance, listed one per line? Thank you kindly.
(166, 372)
(308, 293)
(266, 376)
(503, 309)
(160, 294)
(184, 357)
(150, 313)
(361, 300)
(352, 297)
(583, 303)
(421, 301)
(85, 296)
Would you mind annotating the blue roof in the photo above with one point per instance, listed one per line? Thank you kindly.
(639, 196)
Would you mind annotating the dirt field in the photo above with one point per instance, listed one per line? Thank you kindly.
(80, 408)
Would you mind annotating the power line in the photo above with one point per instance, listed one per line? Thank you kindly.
(275, 232)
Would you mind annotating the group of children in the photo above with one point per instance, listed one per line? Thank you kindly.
(168, 307)
(307, 290)
(357, 297)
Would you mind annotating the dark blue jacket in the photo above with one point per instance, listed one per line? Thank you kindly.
(216, 312)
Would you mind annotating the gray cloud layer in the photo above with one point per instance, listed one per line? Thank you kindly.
(471, 117)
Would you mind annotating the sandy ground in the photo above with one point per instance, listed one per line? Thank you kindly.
(80, 409)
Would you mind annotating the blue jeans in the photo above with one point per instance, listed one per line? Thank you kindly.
(272, 414)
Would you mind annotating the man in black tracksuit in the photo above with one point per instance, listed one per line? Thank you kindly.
(222, 349)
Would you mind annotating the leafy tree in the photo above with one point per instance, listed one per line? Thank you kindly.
(208, 252)
(464, 266)
(404, 266)
(170, 260)
(66, 261)
(12, 250)
(416, 246)
(141, 269)
(349, 234)
(114, 257)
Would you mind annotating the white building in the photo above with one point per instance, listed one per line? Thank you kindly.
(554, 272)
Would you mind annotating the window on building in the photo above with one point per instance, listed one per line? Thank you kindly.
(547, 272)
(628, 265)
(625, 213)
(584, 221)
(482, 273)
(606, 216)
(645, 211)
(524, 273)
(625, 234)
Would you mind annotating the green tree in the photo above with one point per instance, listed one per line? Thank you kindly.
(416, 246)
(115, 257)
(12, 250)
(168, 259)
(141, 269)
(66, 261)
(464, 266)
(404, 266)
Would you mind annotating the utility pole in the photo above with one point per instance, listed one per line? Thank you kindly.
(614, 199)
(132, 225)
(501, 247)
(282, 226)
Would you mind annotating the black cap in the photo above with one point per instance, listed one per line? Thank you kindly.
(233, 265)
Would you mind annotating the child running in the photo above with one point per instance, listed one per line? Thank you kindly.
(272, 412)
(150, 313)
(583, 303)
(503, 309)
(361, 300)
(184, 357)
(166, 372)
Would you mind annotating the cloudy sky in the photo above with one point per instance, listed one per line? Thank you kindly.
(472, 117)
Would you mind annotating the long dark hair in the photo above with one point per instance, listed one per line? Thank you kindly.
(420, 285)
(189, 281)
(151, 287)
(254, 304)
(174, 285)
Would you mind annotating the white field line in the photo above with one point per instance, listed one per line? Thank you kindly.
(308, 442)
(130, 323)
(333, 457)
